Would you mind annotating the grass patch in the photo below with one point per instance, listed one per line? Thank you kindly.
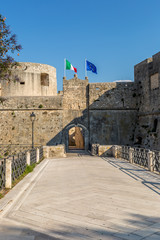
(40, 106)
(28, 169)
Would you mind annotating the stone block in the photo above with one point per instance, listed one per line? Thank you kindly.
(105, 150)
(54, 151)
(8, 173)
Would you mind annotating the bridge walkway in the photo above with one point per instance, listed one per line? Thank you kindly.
(83, 197)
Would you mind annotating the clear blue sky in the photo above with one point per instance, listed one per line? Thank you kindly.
(113, 34)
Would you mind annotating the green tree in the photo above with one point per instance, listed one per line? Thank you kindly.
(8, 46)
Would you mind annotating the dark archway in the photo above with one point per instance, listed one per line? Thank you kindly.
(76, 138)
(84, 133)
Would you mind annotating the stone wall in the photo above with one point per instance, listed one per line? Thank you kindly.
(118, 113)
(106, 112)
(54, 151)
(105, 151)
(112, 95)
(112, 126)
(112, 112)
(15, 123)
(147, 78)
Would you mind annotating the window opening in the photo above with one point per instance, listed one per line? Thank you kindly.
(44, 79)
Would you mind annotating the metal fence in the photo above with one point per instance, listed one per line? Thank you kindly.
(18, 165)
(2, 173)
(140, 156)
(33, 156)
(41, 153)
(156, 161)
(124, 152)
(144, 157)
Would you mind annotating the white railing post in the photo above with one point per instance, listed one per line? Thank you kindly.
(37, 153)
(8, 173)
(131, 160)
(150, 161)
(28, 159)
(114, 151)
(119, 152)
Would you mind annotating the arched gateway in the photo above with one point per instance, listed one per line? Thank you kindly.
(76, 137)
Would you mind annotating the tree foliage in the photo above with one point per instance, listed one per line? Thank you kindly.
(8, 46)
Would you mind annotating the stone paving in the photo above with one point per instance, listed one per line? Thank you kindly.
(83, 197)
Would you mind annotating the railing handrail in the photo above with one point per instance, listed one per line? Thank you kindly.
(144, 157)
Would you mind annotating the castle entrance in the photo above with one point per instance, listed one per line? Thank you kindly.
(76, 138)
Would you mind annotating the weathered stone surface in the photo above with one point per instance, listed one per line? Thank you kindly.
(31, 79)
(147, 78)
(117, 113)
(54, 151)
(104, 150)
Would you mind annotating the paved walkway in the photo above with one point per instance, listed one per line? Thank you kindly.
(83, 197)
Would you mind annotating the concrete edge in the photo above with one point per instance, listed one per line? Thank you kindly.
(16, 192)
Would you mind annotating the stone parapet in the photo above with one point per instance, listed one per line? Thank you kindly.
(105, 150)
(54, 151)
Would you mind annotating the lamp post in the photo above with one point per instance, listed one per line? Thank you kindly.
(32, 117)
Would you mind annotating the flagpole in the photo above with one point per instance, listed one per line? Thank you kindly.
(85, 69)
(64, 67)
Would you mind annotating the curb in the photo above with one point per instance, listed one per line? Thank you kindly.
(16, 192)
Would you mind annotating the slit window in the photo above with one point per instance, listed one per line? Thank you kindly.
(155, 124)
(44, 79)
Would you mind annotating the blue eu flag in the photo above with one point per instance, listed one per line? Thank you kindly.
(91, 67)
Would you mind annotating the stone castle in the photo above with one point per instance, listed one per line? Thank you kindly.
(116, 113)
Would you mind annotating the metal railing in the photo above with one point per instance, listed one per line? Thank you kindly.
(18, 165)
(40, 153)
(33, 156)
(140, 156)
(2, 173)
(124, 152)
(156, 161)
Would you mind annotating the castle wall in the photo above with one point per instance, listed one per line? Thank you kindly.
(75, 101)
(105, 111)
(112, 112)
(30, 79)
(109, 113)
(16, 126)
(112, 95)
(112, 127)
(147, 77)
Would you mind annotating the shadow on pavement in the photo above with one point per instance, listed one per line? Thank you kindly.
(148, 179)
(136, 227)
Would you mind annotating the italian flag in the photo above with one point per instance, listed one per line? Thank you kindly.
(69, 66)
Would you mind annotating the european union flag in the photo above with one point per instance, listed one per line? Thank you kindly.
(91, 67)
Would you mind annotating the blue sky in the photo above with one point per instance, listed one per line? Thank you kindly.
(113, 34)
